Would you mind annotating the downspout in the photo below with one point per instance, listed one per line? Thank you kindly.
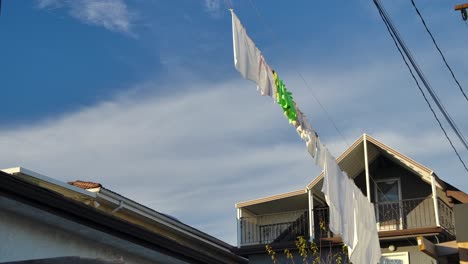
(366, 167)
(434, 198)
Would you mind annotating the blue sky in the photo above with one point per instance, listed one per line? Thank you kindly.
(142, 96)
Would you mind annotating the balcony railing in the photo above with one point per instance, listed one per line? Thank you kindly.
(265, 229)
(446, 217)
(398, 215)
(405, 214)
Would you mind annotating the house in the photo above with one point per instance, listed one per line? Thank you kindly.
(43, 220)
(410, 201)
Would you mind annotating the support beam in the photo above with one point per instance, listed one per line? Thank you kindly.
(311, 215)
(427, 247)
(366, 167)
(434, 198)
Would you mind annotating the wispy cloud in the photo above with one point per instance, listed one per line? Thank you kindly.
(174, 153)
(110, 14)
(213, 7)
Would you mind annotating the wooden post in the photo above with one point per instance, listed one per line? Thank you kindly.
(463, 11)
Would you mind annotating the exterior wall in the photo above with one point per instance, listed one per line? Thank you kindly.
(416, 213)
(28, 233)
(412, 186)
(415, 256)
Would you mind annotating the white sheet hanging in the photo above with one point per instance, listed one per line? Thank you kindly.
(249, 61)
(367, 246)
(331, 190)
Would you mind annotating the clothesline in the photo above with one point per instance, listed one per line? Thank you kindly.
(351, 214)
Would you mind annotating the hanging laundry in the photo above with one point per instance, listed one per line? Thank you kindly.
(284, 98)
(346, 207)
(331, 190)
(366, 242)
(311, 144)
(310, 139)
(301, 119)
(351, 214)
(249, 61)
(266, 83)
(321, 152)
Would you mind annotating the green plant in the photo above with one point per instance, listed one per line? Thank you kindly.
(306, 249)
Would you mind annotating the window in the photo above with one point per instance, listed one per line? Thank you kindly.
(395, 258)
(388, 204)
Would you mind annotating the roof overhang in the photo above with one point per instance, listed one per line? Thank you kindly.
(290, 201)
(56, 203)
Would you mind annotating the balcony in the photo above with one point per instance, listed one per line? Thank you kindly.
(273, 228)
(400, 215)
(390, 216)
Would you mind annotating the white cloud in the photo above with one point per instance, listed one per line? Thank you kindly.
(110, 14)
(191, 155)
(196, 152)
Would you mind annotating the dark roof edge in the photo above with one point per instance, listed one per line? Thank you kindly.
(62, 206)
(178, 223)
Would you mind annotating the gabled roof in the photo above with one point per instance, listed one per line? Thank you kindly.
(352, 160)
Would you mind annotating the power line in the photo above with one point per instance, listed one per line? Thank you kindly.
(395, 37)
(421, 74)
(438, 49)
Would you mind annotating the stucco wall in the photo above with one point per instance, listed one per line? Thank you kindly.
(415, 256)
(28, 233)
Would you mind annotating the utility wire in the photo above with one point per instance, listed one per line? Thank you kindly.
(395, 37)
(438, 49)
(421, 74)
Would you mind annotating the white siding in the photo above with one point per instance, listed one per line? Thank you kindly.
(28, 233)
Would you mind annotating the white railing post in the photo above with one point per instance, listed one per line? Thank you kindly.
(434, 197)
(311, 215)
(366, 164)
(239, 216)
